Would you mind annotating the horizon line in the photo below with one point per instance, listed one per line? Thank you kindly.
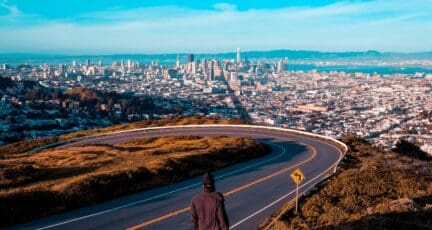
(212, 53)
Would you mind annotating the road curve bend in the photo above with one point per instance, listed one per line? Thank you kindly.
(253, 189)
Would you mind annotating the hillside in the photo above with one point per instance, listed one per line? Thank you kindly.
(372, 190)
(41, 183)
(27, 145)
(31, 110)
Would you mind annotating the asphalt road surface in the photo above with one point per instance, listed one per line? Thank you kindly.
(253, 190)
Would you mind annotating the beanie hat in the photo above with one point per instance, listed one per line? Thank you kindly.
(208, 182)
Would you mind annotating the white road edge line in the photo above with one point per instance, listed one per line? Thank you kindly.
(284, 196)
(284, 130)
(167, 193)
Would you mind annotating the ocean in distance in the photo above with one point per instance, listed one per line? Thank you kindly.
(169, 59)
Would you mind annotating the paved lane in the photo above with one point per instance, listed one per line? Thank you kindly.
(253, 189)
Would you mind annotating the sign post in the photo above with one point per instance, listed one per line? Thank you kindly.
(297, 177)
(296, 200)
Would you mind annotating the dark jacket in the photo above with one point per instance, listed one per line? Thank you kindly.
(208, 211)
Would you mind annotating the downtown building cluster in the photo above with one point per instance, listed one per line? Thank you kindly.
(380, 108)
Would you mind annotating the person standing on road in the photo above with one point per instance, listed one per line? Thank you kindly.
(208, 209)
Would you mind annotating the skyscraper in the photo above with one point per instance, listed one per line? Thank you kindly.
(74, 63)
(63, 69)
(204, 66)
(280, 67)
(193, 68)
(191, 58)
(212, 78)
(122, 64)
(238, 56)
(178, 62)
(129, 63)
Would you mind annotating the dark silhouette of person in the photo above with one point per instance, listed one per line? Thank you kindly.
(208, 209)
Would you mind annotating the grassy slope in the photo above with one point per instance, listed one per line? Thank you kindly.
(56, 169)
(372, 190)
(40, 183)
(27, 145)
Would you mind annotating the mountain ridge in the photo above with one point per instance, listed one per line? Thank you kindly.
(277, 53)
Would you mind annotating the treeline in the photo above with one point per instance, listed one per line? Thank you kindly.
(37, 95)
(409, 149)
(6, 82)
(93, 99)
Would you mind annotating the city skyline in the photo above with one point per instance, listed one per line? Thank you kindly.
(106, 27)
(111, 111)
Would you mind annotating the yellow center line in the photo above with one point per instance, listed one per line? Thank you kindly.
(180, 211)
(164, 217)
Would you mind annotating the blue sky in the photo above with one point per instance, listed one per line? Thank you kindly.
(156, 26)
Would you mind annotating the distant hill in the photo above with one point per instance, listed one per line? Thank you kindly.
(317, 55)
(83, 94)
(303, 54)
(21, 58)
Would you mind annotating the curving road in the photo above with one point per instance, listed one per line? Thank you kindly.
(253, 190)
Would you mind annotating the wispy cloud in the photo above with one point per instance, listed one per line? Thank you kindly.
(225, 6)
(338, 26)
(13, 10)
(348, 11)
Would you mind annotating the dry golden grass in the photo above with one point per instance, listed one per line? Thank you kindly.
(154, 123)
(27, 145)
(372, 190)
(58, 179)
(75, 162)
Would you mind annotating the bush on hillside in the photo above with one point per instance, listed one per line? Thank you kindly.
(406, 148)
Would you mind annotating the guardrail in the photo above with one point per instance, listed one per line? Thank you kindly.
(310, 184)
(343, 147)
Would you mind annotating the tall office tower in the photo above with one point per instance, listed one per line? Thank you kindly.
(87, 62)
(193, 68)
(204, 65)
(63, 69)
(129, 64)
(178, 62)
(122, 64)
(74, 63)
(238, 56)
(280, 66)
(215, 63)
(191, 58)
(100, 63)
(212, 78)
